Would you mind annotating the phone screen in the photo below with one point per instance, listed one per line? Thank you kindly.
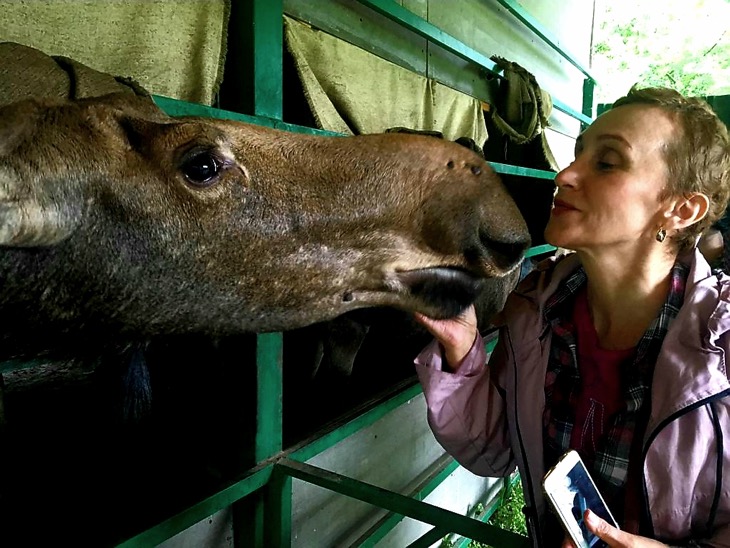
(571, 491)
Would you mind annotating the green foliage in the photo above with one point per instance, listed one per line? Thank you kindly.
(682, 44)
(508, 516)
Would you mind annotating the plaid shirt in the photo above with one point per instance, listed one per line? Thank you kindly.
(610, 464)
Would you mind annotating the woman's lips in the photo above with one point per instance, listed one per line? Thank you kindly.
(560, 207)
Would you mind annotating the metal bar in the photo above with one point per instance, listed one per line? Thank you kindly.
(522, 171)
(422, 511)
(278, 506)
(588, 88)
(268, 442)
(445, 466)
(207, 507)
(269, 395)
(423, 28)
(530, 22)
(571, 111)
(262, 32)
(175, 107)
(539, 250)
(429, 538)
(490, 345)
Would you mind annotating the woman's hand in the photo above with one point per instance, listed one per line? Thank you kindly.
(456, 335)
(612, 536)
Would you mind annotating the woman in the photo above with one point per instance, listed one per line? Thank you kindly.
(616, 350)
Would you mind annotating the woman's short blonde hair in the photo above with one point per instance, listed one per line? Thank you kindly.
(698, 158)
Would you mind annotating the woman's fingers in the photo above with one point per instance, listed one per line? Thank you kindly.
(615, 537)
(456, 335)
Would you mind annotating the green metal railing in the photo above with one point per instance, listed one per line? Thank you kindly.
(261, 22)
(273, 475)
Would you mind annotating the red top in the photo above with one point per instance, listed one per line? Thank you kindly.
(600, 395)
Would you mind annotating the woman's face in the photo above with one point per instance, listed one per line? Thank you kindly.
(609, 197)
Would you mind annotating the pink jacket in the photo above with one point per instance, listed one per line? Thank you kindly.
(490, 418)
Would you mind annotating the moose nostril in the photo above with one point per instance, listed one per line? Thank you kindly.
(450, 164)
(505, 255)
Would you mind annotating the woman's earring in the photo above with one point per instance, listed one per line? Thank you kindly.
(660, 235)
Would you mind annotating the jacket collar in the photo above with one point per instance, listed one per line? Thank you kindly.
(691, 362)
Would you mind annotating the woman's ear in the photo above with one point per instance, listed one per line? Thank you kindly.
(686, 211)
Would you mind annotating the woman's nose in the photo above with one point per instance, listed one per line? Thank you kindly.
(568, 176)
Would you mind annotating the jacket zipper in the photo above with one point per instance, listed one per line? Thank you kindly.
(532, 519)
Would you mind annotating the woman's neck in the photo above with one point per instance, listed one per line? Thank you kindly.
(625, 294)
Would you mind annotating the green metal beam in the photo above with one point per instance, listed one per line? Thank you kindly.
(490, 345)
(376, 534)
(429, 539)
(539, 250)
(395, 502)
(175, 107)
(522, 171)
(530, 22)
(205, 508)
(269, 396)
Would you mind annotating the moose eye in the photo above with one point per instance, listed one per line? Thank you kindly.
(201, 168)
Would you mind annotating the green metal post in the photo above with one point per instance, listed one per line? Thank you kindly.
(254, 62)
(269, 397)
(256, 517)
(588, 87)
(254, 85)
(277, 503)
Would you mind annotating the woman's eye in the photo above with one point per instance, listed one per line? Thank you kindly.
(607, 159)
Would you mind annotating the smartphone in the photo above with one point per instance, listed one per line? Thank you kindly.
(569, 488)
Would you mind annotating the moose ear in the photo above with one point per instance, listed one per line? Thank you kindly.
(35, 217)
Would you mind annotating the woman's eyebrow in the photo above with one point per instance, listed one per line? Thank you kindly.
(604, 137)
(614, 137)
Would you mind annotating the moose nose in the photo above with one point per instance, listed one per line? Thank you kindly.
(482, 224)
(505, 253)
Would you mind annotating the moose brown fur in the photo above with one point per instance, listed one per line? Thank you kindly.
(114, 215)
(120, 225)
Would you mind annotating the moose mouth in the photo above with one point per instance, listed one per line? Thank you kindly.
(447, 290)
